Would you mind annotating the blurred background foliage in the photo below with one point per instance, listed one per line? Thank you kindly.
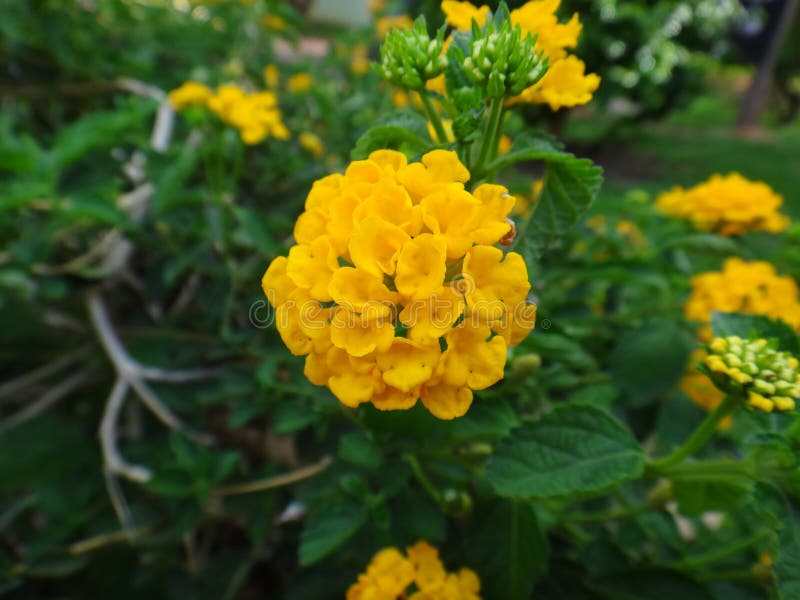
(120, 224)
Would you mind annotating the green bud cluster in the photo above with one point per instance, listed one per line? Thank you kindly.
(770, 379)
(503, 59)
(409, 58)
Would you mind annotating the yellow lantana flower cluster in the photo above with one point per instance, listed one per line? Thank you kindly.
(726, 204)
(255, 114)
(566, 83)
(396, 291)
(420, 575)
(745, 287)
(769, 379)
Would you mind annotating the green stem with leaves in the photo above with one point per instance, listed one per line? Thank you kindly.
(701, 435)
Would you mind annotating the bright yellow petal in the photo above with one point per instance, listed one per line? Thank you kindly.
(459, 15)
(471, 358)
(408, 364)
(452, 212)
(496, 205)
(445, 401)
(421, 266)
(375, 245)
(311, 267)
(277, 285)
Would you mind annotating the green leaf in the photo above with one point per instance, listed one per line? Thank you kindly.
(485, 420)
(406, 131)
(697, 496)
(329, 528)
(572, 449)
(253, 231)
(56, 568)
(508, 549)
(650, 360)
(291, 417)
(171, 182)
(724, 324)
(358, 449)
(787, 571)
(98, 130)
(570, 186)
(650, 583)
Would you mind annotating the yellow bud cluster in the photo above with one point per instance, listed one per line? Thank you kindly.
(745, 287)
(256, 115)
(390, 575)
(566, 83)
(726, 204)
(769, 379)
(395, 289)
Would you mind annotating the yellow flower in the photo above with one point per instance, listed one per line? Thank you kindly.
(726, 204)
(255, 115)
(745, 287)
(394, 289)
(390, 574)
(384, 25)
(190, 93)
(274, 22)
(460, 15)
(359, 60)
(299, 82)
(312, 143)
(271, 76)
(566, 84)
(563, 86)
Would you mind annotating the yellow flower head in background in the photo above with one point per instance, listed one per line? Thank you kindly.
(566, 83)
(359, 60)
(312, 143)
(726, 204)
(390, 574)
(745, 287)
(300, 82)
(768, 379)
(384, 25)
(256, 115)
(395, 290)
(190, 93)
(271, 76)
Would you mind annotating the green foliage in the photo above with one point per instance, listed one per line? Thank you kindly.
(246, 478)
(572, 450)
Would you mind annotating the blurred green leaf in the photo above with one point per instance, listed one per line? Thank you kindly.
(650, 360)
(328, 528)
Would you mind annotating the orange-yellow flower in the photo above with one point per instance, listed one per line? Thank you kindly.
(389, 576)
(395, 290)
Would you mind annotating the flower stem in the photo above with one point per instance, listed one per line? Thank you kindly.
(701, 560)
(490, 137)
(433, 117)
(423, 480)
(701, 435)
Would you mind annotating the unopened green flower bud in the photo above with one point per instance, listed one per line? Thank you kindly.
(409, 58)
(457, 502)
(503, 59)
(526, 364)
